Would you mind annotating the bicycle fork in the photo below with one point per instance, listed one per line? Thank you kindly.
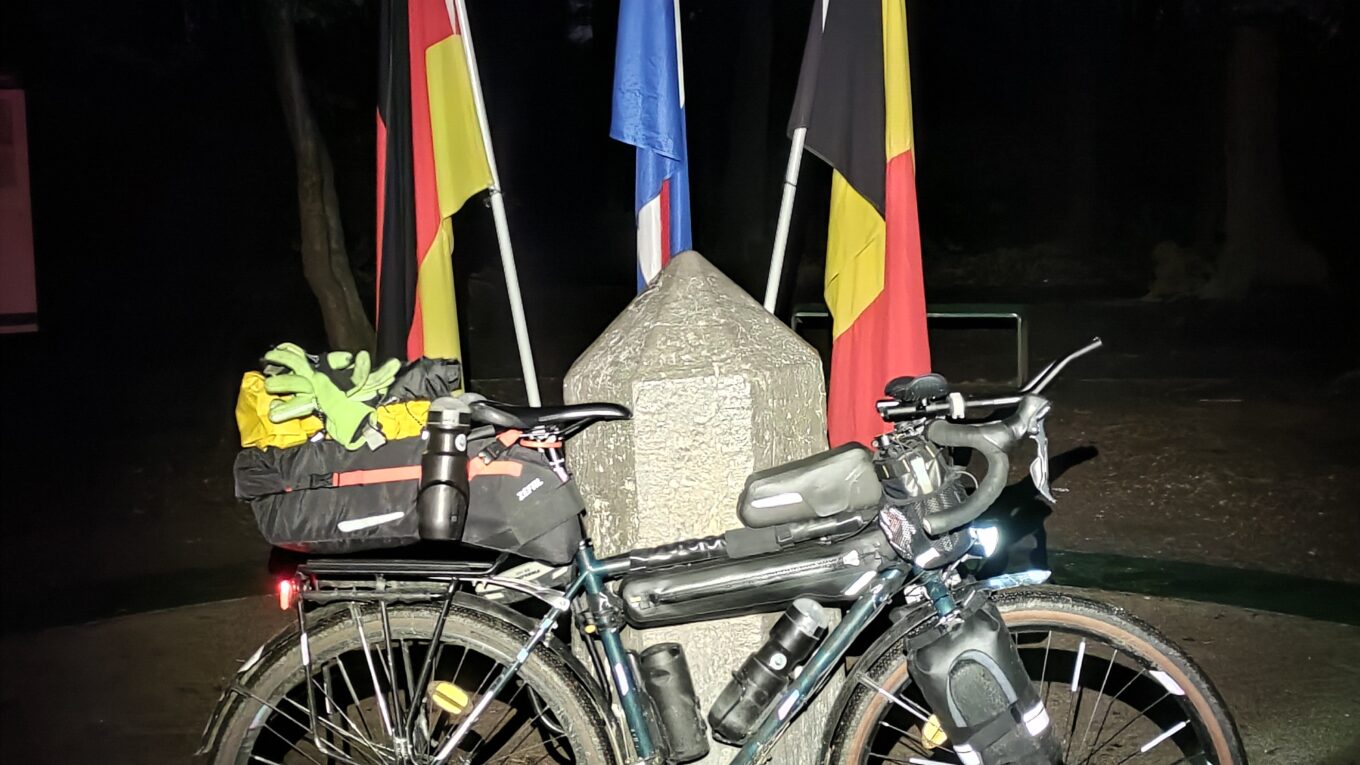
(970, 673)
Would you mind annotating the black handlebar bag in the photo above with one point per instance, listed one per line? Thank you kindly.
(320, 498)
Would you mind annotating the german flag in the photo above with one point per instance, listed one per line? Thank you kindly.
(430, 160)
(854, 99)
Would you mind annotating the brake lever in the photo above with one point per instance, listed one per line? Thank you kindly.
(1038, 469)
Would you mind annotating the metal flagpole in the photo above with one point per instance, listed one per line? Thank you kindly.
(526, 356)
(781, 230)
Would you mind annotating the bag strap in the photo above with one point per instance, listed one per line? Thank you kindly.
(375, 475)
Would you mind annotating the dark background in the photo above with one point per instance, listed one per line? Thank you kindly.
(1057, 143)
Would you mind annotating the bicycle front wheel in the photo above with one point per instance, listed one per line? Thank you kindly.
(1117, 691)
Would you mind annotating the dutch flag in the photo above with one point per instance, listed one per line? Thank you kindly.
(649, 113)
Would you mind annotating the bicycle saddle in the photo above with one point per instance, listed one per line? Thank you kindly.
(530, 417)
(912, 390)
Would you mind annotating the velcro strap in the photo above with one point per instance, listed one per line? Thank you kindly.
(744, 543)
(499, 467)
(984, 735)
(497, 449)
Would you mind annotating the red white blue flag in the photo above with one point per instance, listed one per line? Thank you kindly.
(649, 113)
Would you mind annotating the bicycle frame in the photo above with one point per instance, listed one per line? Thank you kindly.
(592, 575)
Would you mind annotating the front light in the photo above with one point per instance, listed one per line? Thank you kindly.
(988, 538)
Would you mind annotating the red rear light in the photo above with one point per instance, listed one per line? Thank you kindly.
(287, 594)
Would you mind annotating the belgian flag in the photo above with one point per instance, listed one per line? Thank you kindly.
(854, 99)
(431, 158)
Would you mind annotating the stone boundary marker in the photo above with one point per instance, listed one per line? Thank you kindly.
(718, 388)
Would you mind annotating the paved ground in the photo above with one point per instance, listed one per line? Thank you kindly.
(137, 689)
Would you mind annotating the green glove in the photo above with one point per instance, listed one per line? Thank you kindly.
(298, 385)
(345, 417)
(375, 383)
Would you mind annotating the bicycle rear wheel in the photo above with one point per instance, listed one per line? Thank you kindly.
(1116, 690)
(364, 674)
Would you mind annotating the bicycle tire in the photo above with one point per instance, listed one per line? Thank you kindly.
(544, 672)
(1028, 611)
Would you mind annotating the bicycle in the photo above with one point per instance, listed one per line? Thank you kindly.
(427, 662)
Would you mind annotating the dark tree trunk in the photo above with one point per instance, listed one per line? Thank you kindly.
(325, 260)
(1260, 242)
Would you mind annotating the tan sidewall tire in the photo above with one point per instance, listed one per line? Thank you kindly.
(1045, 608)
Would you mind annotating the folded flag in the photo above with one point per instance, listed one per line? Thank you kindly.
(854, 99)
(649, 113)
(431, 158)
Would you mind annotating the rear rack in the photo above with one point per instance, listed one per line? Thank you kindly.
(328, 568)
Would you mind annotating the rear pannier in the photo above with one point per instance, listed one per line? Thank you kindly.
(320, 498)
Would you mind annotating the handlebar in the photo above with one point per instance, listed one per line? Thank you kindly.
(897, 412)
(993, 439)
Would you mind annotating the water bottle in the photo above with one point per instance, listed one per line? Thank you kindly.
(443, 500)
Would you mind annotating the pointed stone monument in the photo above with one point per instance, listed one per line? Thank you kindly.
(719, 388)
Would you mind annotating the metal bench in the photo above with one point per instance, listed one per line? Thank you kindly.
(953, 311)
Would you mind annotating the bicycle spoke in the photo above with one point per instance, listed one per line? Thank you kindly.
(908, 739)
(1096, 710)
(491, 734)
(1076, 707)
(290, 743)
(373, 673)
(306, 730)
(1149, 746)
(352, 738)
(354, 697)
(911, 707)
(1043, 671)
(390, 666)
(1110, 707)
(1141, 714)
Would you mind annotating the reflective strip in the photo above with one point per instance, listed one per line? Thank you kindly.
(1036, 719)
(1170, 685)
(1076, 671)
(355, 524)
(859, 584)
(375, 475)
(778, 500)
(1165, 735)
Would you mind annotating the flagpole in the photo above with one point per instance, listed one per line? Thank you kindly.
(526, 356)
(781, 230)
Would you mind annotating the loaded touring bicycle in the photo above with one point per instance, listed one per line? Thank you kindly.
(438, 659)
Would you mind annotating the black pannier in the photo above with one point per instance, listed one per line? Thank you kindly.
(320, 498)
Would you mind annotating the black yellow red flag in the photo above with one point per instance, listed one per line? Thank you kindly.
(431, 159)
(854, 99)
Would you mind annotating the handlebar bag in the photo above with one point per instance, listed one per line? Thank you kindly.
(320, 498)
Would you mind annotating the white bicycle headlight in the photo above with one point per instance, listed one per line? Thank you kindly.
(988, 538)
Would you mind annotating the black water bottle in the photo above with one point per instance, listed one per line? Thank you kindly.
(443, 501)
(766, 673)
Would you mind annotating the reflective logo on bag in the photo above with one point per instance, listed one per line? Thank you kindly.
(532, 487)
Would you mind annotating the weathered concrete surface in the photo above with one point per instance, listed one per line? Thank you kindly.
(718, 388)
